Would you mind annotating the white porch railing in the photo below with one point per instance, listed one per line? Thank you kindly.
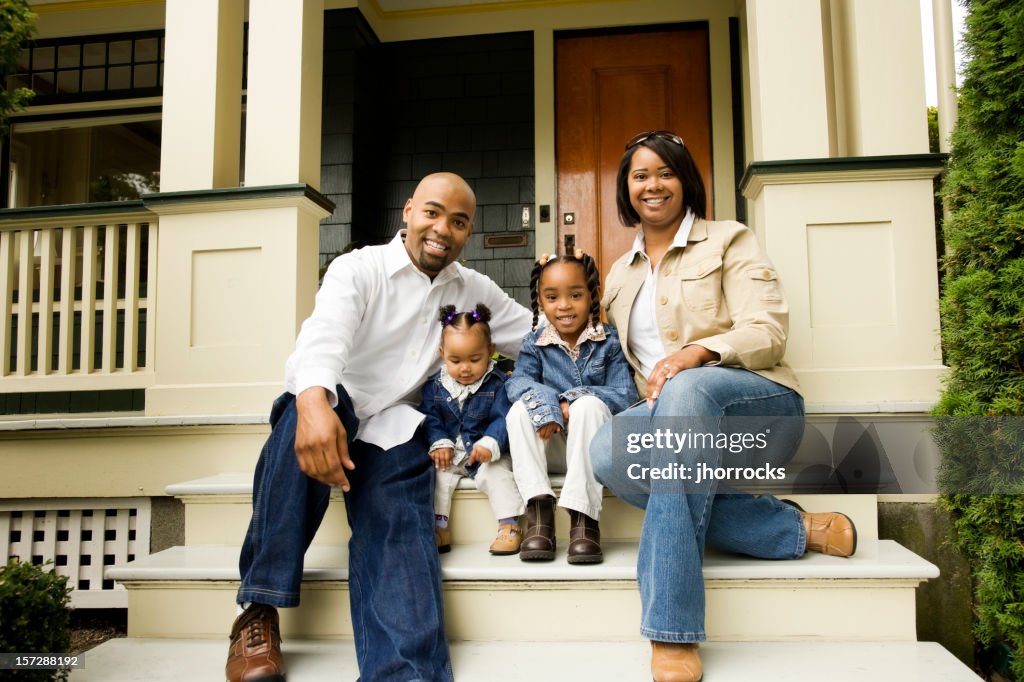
(76, 294)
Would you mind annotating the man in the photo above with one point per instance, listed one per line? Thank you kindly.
(348, 420)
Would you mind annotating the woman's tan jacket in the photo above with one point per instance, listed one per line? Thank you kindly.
(721, 292)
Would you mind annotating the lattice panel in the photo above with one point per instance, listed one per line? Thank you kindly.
(82, 538)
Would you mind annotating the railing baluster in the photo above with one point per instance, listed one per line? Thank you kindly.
(108, 357)
(151, 293)
(68, 269)
(25, 271)
(6, 291)
(88, 343)
(131, 298)
(46, 264)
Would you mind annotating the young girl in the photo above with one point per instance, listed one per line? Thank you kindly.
(465, 405)
(571, 376)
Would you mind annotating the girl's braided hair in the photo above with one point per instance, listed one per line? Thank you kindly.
(593, 277)
(449, 316)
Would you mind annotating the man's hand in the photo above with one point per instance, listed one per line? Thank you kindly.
(480, 455)
(321, 444)
(545, 432)
(442, 458)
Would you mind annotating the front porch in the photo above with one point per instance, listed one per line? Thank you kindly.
(143, 341)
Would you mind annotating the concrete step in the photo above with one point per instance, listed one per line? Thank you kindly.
(217, 511)
(162, 660)
(189, 592)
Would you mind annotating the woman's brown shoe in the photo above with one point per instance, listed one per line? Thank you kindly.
(675, 662)
(830, 533)
(539, 541)
(584, 540)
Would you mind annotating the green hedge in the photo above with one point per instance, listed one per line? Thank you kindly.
(34, 617)
(983, 321)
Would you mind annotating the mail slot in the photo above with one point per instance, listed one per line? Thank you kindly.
(506, 240)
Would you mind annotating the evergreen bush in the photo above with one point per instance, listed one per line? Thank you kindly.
(34, 617)
(17, 22)
(983, 323)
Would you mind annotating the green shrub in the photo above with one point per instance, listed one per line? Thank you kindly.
(34, 617)
(983, 321)
(17, 22)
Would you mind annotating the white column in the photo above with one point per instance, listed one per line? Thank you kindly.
(945, 70)
(202, 94)
(789, 104)
(283, 104)
(884, 80)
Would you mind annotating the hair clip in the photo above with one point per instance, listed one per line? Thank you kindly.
(578, 254)
(474, 314)
(543, 260)
(448, 320)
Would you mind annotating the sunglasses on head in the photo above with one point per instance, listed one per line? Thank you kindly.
(666, 135)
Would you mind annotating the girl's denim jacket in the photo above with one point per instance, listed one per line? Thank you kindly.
(546, 375)
(482, 414)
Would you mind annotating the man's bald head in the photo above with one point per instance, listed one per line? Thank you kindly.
(441, 181)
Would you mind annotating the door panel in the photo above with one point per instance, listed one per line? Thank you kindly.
(609, 88)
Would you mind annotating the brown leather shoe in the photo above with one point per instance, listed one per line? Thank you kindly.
(584, 540)
(539, 541)
(830, 533)
(254, 654)
(675, 662)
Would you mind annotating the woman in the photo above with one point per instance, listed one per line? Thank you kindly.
(703, 322)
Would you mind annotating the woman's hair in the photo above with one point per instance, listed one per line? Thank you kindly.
(678, 158)
(463, 320)
(593, 278)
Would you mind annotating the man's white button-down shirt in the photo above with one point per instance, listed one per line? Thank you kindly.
(375, 330)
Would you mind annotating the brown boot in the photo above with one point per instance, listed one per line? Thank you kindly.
(672, 662)
(584, 539)
(254, 654)
(830, 533)
(539, 541)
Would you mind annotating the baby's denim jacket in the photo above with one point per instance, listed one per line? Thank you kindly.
(482, 414)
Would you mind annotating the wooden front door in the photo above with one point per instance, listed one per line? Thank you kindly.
(609, 88)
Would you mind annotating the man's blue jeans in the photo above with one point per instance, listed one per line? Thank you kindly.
(394, 571)
(680, 518)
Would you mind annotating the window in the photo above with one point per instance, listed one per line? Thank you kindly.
(88, 68)
(84, 160)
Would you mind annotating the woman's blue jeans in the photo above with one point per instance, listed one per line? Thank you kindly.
(394, 571)
(681, 516)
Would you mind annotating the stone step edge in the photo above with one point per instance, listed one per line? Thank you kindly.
(239, 484)
(882, 560)
(313, 660)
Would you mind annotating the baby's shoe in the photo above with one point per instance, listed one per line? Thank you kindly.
(508, 540)
(443, 537)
